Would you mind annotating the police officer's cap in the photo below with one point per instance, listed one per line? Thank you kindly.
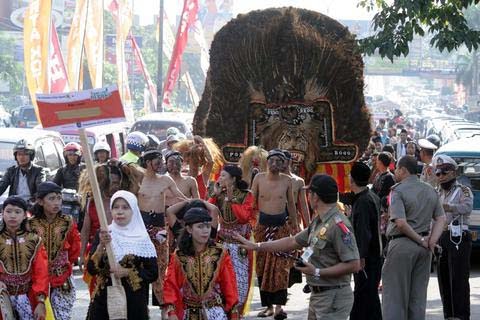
(444, 162)
(425, 144)
(323, 184)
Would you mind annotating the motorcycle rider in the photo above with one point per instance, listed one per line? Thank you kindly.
(136, 144)
(101, 152)
(67, 176)
(24, 177)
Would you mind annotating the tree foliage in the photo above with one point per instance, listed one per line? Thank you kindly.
(396, 23)
(10, 70)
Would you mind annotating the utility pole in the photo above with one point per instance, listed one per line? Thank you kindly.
(160, 59)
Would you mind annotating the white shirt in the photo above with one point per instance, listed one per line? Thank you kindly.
(23, 190)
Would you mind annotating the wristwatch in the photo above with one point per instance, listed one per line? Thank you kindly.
(422, 240)
(317, 273)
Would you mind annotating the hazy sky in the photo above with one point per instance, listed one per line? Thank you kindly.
(338, 9)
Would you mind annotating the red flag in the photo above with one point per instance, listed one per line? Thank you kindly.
(57, 73)
(141, 64)
(189, 15)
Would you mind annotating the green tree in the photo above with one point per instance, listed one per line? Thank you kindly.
(396, 23)
(11, 71)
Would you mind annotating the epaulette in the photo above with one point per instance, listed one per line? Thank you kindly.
(339, 222)
(395, 185)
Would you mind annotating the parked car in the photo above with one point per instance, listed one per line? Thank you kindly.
(468, 159)
(25, 117)
(157, 123)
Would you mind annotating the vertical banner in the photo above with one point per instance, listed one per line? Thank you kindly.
(94, 42)
(199, 36)
(189, 15)
(57, 75)
(141, 64)
(122, 16)
(36, 42)
(75, 41)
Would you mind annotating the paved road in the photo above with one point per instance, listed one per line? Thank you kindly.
(297, 306)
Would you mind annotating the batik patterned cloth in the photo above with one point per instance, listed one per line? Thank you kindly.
(62, 302)
(273, 268)
(21, 305)
(241, 266)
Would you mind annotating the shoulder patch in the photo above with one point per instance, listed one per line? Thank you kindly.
(466, 191)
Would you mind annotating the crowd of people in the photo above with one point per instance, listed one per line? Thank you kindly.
(196, 230)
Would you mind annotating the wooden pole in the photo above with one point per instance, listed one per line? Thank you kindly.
(97, 196)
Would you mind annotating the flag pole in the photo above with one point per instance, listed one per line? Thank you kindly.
(160, 59)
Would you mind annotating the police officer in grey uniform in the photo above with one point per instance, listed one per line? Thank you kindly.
(331, 253)
(406, 271)
(428, 147)
(456, 240)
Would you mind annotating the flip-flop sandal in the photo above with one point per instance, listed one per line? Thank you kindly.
(280, 316)
(265, 313)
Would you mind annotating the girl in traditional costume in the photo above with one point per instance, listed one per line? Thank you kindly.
(200, 282)
(23, 262)
(236, 217)
(135, 255)
(62, 242)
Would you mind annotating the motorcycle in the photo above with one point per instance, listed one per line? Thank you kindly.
(71, 203)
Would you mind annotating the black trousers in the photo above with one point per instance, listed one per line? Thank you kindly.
(269, 299)
(453, 274)
(366, 302)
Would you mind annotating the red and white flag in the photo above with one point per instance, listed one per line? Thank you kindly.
(189, 15)
(57, 73)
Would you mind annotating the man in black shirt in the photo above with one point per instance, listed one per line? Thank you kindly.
(385, 179)
(365, 220)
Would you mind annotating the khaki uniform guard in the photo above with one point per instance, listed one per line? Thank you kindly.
(406, 270)
(332, 243)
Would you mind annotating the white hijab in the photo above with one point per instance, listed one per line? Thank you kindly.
(132, 238)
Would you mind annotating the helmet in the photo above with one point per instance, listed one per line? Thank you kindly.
(101, 145)
(433, 138)
(24, 145)
(73, 146)
(137, 141)
(172, 131)
(153, 141)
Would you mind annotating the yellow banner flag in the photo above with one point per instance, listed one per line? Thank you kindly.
(36, 43)
(75, 44)
(122, 15)
(94, 42)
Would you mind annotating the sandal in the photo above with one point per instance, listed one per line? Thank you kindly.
(265, 313)
(280, 316)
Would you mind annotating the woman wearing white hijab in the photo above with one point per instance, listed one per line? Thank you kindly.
(136, 263)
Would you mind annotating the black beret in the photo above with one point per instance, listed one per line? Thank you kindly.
(47, 187)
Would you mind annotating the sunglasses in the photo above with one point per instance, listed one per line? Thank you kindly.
(443, 172)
